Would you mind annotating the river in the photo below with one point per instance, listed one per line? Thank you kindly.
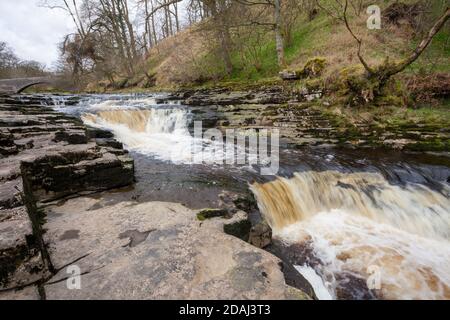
(359, 223)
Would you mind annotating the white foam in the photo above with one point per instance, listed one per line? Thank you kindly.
(166, 135)
(315, 281)
(411, 266)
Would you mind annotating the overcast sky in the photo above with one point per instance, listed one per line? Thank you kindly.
(33, 32)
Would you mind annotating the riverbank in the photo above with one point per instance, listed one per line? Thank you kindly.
(324, 120)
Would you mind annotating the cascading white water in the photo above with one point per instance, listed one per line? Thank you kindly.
(161, 132)
(58, 101)
(150, 121)
(358, 221)
(173, 121)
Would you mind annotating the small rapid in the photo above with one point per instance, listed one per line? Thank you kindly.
(162, 133)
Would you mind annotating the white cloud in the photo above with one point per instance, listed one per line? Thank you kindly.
(34, 32)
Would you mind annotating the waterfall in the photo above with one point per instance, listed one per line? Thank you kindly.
(135, 120)
(163, 133)
(151, 121)
(355, 221)
(159, 132)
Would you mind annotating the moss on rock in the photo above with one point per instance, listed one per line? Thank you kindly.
(313, 68)
(240, 229)
(211, 213)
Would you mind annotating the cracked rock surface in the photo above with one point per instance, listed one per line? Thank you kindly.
(172, 255)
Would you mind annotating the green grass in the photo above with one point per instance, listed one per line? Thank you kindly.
(267, 63)
(434, 115)
(307, 37)
(436, 57)
(304, 42)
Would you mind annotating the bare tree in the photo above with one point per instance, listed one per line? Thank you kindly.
(278, 36)
(219, 13)
(275, 25)
(12, 67)
(71, 7)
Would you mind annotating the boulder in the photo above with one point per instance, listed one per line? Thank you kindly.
(289, 75)
(52, 177)
(239, 229)
(260, 235)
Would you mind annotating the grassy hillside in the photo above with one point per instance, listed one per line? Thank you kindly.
(190, 58)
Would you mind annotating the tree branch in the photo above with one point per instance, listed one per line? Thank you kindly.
(155, 9)
(358, 40)
(422, 46)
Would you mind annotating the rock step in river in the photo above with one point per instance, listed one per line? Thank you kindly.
(303, 121)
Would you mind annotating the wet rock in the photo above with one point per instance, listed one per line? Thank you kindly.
(109, 143)
(245, 203)
(179, 259)
(52, 177)
(239, 229)
(136, 237)
(95, 133)
(351, 287)
(291, 255)
(70, 234)
(260, 235)
(211, 213)
(72, 136)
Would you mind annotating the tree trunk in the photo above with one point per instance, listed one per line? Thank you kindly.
(130, 29)
(177, 20)
(155, 37)
(223, 34)
(278, 36)
(147, 36)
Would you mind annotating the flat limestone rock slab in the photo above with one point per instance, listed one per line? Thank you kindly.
(28, 293)
(45, 156)
(10, 194)
(15, 228)
(153, 250)
(20, 260)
